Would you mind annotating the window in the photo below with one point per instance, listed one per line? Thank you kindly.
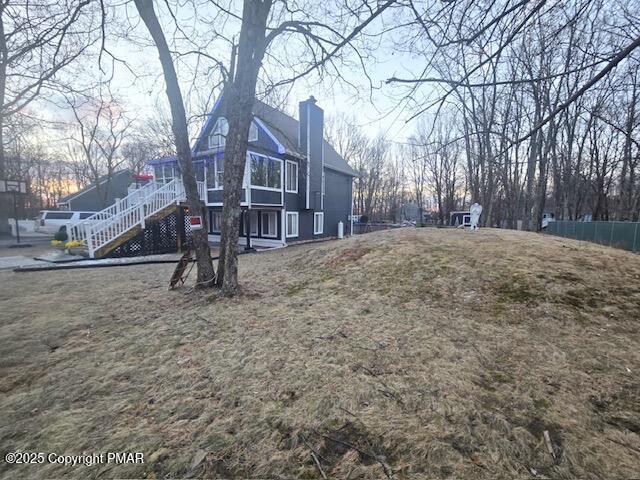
(216, 222)
(292, 224)
(219, 172)
(84, 215)
(218, 137)
(168, 173)
(254, 223)
(318, 223)
(292, 177)
(211, 173)
(265, 172)
(270, 224)
(199, 167)
(215, 171)
(165, 173)
(59, 215)
(253, 132)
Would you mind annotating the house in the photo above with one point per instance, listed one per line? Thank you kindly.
(94, 199)
(296, 187)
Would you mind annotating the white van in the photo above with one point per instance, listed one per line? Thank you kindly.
(51, 221)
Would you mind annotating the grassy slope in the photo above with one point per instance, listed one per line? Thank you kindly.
(433, 353)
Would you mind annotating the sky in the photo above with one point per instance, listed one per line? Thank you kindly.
(138, 82)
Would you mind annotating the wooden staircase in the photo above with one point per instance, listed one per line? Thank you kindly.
(106, 230)
(124, 238)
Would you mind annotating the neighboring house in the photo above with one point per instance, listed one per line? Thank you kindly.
(296, 187)
(92, 199)
(457, 219)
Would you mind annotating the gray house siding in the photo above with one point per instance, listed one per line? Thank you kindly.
(92, 199)
(265, 197)
(337, 207)
(215, 196)
(337, 202)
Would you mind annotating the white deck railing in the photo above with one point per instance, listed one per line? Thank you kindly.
(105, 226)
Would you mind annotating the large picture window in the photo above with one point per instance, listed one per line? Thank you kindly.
(292, 224)
(218, 137)
(265, 172)
(292, 177)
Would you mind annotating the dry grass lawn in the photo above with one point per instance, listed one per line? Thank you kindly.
(410, 353)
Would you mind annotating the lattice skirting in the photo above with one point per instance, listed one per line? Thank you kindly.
(158, 237)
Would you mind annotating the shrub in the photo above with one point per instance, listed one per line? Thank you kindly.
(61, 236)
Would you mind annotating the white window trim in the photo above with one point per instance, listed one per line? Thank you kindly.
(297, 224)
(269, 189)
(321, 215)
(286, 169)
(268, 214)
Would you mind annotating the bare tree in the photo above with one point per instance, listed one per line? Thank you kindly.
(262, 22)
(205, 272)
(99, 130)
(523, 77)
(37, 41)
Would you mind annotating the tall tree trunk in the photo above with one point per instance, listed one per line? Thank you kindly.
(4, 215)
(239, 95)
(206, 275)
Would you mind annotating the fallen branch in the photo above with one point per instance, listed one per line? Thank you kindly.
(624, 444)
(547, 441)
(315, 458)
(363, 452)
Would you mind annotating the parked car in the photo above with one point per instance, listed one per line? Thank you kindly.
(52, 221)
(547, 218)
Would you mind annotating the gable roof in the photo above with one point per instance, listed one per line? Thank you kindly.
(91, 186)
(285, 128)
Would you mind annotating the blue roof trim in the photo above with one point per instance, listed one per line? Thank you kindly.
(163, 160)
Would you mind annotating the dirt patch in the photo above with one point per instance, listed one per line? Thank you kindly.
(347, 255)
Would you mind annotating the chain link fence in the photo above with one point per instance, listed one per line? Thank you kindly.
(624, 235)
